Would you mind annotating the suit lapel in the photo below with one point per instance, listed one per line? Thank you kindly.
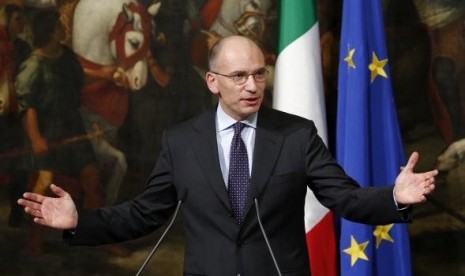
(268, 144)
(205, 147)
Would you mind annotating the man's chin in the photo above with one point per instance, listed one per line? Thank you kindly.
(249, 110)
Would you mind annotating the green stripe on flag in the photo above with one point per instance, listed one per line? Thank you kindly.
(297, 17)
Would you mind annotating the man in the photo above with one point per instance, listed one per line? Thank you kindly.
(284, 155)
(48, 88)
(13, 51)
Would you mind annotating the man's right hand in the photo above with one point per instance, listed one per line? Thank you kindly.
(56, 212)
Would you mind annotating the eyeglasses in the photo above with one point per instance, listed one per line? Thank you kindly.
(240, 78)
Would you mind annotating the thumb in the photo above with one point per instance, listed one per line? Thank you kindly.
(58, 191)
(412, 161)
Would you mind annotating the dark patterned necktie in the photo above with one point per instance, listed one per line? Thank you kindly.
(239, 179)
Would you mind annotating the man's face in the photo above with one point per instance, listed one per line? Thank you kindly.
(16, 24)
(238, 57)
(59, 33)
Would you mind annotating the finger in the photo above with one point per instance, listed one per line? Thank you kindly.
(423, 198)
(34, 197)
(428, 178)
(432, 174)
(40, 221)
(28, 203)
(58, 191)
(429, 189)
(35, 213)
(429, 182)
(412, 161)
(34, 205)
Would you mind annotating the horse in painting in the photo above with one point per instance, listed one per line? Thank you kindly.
(112, 41)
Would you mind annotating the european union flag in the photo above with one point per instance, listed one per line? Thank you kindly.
(368, 145)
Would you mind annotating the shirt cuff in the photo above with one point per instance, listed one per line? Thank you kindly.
(400, 207)
(68, 235)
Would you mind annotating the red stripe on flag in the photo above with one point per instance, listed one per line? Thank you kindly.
(321, 242)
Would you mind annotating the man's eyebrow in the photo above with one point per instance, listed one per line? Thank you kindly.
(240, 72)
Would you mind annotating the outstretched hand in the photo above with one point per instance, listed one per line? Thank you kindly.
(410, 187)
(56, 212)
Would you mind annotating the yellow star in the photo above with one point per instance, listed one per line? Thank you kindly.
(349, 58)
(382, 233)
(377, 67)
(356, 251)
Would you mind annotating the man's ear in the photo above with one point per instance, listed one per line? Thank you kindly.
(212, 82)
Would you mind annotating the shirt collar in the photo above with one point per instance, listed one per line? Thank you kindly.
(224, 121)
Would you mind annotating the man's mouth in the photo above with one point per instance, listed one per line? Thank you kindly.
(251, 101)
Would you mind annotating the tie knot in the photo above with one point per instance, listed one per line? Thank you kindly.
(238, 127)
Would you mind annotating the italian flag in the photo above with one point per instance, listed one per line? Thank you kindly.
(298, 89)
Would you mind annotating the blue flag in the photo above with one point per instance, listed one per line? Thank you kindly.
(368, 144)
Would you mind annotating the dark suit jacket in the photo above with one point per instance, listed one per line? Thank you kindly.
(288, 157)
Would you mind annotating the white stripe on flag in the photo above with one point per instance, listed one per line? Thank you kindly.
(298, 86)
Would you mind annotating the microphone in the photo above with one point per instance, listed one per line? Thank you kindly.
(181, 198)
(266, 238)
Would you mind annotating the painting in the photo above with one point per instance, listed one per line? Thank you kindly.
(135, 67)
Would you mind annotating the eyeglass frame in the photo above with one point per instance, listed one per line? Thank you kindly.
(246, 76)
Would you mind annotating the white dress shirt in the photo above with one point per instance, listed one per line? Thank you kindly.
(224, 135)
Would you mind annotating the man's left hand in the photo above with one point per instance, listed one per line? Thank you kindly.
(410, 187)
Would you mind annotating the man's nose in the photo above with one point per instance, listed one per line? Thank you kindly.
(250, 84)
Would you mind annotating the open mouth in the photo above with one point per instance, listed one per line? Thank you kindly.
(251, 101)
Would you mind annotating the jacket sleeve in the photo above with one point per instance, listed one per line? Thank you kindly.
(134, 218)
(343, 195)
